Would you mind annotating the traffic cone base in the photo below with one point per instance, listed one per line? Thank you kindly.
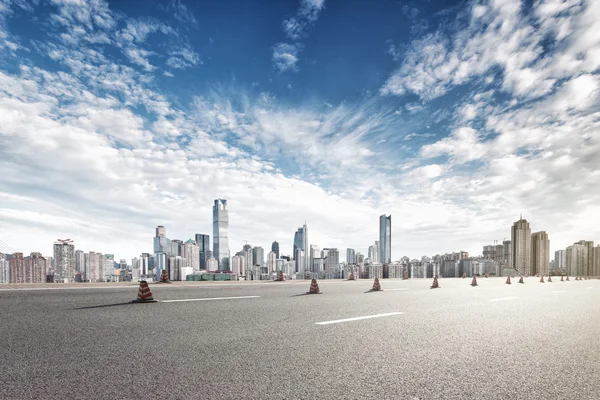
(508, 282)
(435, 284)
(144, 294)
(474, 281)
(521, 280)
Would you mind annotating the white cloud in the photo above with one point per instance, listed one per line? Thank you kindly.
(285, 56)
(183, 57)
(308, 12)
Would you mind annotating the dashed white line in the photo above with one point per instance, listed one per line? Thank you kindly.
(504, 298)
(209, 299)
(338, 321)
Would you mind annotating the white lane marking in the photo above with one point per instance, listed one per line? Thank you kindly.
(559, 291)
(504, 298)
(389, 290)
(337, 321)
(590, 287)
(209, 298)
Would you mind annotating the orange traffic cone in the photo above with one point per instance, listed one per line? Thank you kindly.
(577, 278)
(314, 287)
(567, 278)
(508, 280)
(351, 277)
(405, 275)
(280, 276)
(562, 278)
(549, 278)
(486, 275)
(164, 277)
(542, 279)
(435, 283)
(474, 281)
(464, 275)
(521, 279)
(376, 286)
(144, 294)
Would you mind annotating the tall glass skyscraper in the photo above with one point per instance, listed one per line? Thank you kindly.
(221, 234)
(385, 239)
(301, 242)
(204, 244)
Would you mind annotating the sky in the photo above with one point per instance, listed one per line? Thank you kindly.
(453, 117)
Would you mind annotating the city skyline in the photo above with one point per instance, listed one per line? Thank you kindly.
(113, 126)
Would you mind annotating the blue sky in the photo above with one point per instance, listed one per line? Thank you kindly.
(454, 117)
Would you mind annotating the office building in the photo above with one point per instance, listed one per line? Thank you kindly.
(221, 234)
(385, 239)
(299, 260)
(371, 254)
(275, 249)
(258, 256)
(203, 242)
(35, 268)
(212, 264)
(301, 242)
(596, 262)
(109, 267)
(64, 261)
(521, 247)
(4, 268)
(318, 265)
(350, 256)
(332, 260)
(238, 264)
(507, 251)
(136, 272)
(144, 264)
(79, 260)
(175, 268)
(540, 253)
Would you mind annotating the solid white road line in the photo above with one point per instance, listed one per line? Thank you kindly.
(504, 298)
(338, 321)
(559, 291)
(209, 298)
(67, 288)
(389, 290)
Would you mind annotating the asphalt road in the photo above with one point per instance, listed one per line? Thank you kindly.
(494, 341)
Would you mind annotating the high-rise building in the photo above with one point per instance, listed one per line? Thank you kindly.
(238, 264)
(191, 255)
(203, 242)
(372, 254)
(144, 264)
(589, 262)
(221, 234)
(301, 242)
(35, 268)
(64, 261)
(560, 259)
(177, 248)
(161, 231)
(385, 239)
(212, 264)
(175, 268)
(350, 256)
(79, 260)
(507, 252)
(258, 256)
(16, 265)
(275, 249)
(540, 253)
(521, 247)
(333, 259)
(109, 267)
(376, 252)
(576, 257)
(160, 264)
(123, 264)
(271, 262)
(299, 260)
(596, 262)
(4, 268)
(136, 271)
(315, 252)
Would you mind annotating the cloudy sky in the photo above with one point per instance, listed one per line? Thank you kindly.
(119, 116)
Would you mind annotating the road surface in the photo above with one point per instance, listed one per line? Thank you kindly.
(270, 341)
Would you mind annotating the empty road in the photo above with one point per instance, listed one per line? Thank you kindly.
(270, 341)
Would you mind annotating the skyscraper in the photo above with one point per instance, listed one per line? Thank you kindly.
(372, 254)
(377, 258)
(540, 253)
(203, 242)
(258, 256)
(301, 242)
(191, 255)
(521, 247)
(64, 261)
(79, 260)
(385, 239)
(221, 234)
(576, 257)
(350, 256)
(560, 259)
(16, 266)
(332, 260)
(275, 249)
